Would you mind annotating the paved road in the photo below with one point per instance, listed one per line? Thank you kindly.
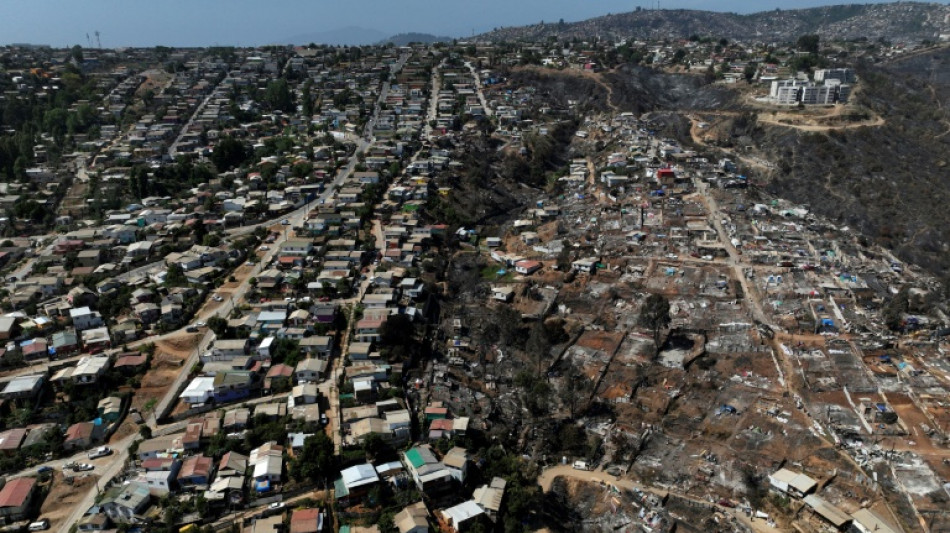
(114, 464)
(479, 90)
(173, 148)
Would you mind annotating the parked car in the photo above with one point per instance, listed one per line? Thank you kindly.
(101, 451)
(44, 469)
(83, 467)
(39, 525)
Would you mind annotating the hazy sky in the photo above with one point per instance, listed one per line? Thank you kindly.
(248, 23)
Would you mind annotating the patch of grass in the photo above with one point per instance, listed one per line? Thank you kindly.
(490, 273)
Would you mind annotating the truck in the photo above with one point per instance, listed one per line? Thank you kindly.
(582, 465)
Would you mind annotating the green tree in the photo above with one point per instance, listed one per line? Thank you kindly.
(655, 316)
(808, 43)
(228, 153)
(278, 97)
(316, 462)
(218, 325)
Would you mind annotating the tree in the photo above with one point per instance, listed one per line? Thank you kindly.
(278, 97)
(576, 387)
(218, 325)
(808, 43)
(655, 316)
(396, 331)
(316, 462)
(175, 276)
(228, 153)
(76, 53)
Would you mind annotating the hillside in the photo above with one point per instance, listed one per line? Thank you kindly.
(903, 21)
(402, 39)
(890, 183)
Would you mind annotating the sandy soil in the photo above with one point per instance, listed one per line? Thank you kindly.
(63, 496)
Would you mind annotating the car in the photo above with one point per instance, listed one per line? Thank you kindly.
(288, 299)
(192, 329)
(83, 467)
(264, 248)
(251, 263)
(101, 451)
(39, 525)
(276, 505)
(200, 324)
(285, 222)
(218, 298)
(44, 469)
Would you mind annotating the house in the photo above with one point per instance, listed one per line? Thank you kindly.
(431, 477)
(278, 377)
(11, 439)
(456, 461)
(489, 497)
(462, 516)
(306, 521)
(16, 498)
(124, 504)
(80, 436)
(109, 409)
(234, 385)
(827, 512)
(160, 482)
(310, 370)
(159, 446)
(369, 329)
(412, 519)
(22, 387)
(96, 340)
(226, 350)
(199, 391)
(355, 482)
(232, 464)
(304, 394)
(502, 294)
(87, 371)
(266, 463)
(792, 483)
(195, 472)
(526, 268)
(84, 318)
(868, 521)
(130, 364)
(236, 419)
(64, 343)
(587, 266)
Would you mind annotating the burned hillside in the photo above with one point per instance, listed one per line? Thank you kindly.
(889, 183)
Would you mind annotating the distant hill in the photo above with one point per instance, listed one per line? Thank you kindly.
(403, 39)
(902, 21)
(348, 36)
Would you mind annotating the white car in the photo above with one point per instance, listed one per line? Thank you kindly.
(218, 298)
(101, 451)
(264, 248)
(39, 525)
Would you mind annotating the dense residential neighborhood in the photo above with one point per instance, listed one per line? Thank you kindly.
(450, 287)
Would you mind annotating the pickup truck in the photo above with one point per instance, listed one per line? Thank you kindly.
(101, 451)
